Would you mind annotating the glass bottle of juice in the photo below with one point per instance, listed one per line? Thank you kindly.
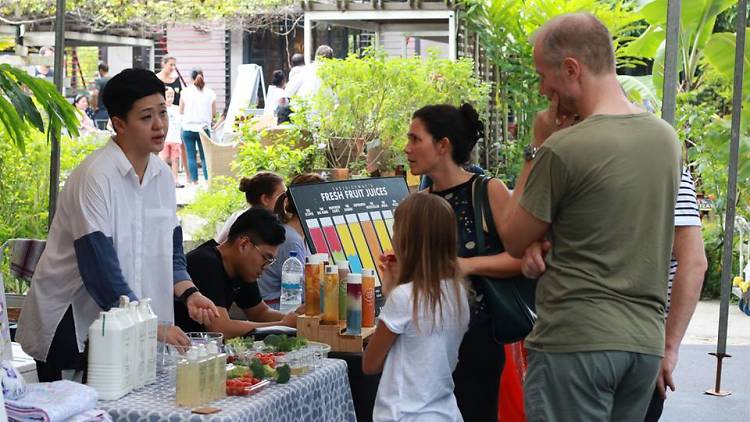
(312, 286)
(331, 294)
(205, 368)
(188, 379)
(343, 274)
(354, 304)
(368, 297)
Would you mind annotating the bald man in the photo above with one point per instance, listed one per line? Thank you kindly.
(600, 184)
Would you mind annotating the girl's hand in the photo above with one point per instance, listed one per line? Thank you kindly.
(388, 267)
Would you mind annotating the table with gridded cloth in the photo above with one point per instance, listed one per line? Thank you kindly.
(322, 395)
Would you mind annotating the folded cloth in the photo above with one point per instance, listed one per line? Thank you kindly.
(52, 402)
(14, 386)
(95, 415)
(24, 256)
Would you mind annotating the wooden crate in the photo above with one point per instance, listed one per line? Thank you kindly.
(312, 328)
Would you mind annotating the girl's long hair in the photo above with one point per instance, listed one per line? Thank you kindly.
(425, 242)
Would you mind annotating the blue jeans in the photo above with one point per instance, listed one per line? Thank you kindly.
(191, 139)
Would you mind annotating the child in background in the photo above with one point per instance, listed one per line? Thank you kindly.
(424, 318)
(173, 143)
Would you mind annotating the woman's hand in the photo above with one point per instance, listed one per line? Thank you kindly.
(465, 267)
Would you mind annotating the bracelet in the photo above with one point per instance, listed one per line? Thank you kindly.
(186, 294)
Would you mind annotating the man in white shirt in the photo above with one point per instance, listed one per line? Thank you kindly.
(307, 83)
(115, 233)
(298, 65)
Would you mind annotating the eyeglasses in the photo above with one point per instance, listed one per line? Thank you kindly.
(266, 259)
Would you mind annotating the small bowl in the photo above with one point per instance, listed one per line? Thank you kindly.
(197, 338)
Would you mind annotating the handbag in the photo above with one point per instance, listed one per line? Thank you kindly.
(510, 301)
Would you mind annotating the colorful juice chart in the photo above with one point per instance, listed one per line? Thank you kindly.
(388, 216)
(351, 220)
(355, 265)
(332, 238)
(360, 242)
(317, 237)
(382, 231)
(372, 238)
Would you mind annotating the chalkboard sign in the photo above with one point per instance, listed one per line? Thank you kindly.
(351, 220)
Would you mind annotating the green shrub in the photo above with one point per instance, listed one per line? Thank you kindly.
(713, 238)
(213, 206)
(286, 156)
(24, 185)
(374, 96)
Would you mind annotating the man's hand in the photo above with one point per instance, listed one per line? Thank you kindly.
(172, 334)
(201, 309)
(532, 263)
(550, 121)
(664, 377)
(290, 320)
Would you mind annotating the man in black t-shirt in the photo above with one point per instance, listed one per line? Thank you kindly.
(227, 273)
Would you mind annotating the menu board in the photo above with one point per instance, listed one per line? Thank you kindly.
(351, 220)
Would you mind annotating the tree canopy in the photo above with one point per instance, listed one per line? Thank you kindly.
(104, 14)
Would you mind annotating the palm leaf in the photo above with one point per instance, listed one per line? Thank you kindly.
(641, 89)
(14, 84)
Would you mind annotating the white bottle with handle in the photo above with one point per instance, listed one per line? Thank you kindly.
(133, 342)
(150, 324)
(107, 356)
(141, 336)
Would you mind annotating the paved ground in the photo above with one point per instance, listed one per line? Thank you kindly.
(696, 370)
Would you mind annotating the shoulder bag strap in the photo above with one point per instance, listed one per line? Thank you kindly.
(489, 219)
(479, 191)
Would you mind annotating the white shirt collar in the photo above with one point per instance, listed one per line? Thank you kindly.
(124, 166)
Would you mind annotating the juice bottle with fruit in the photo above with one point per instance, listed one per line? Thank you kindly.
(368, 297)
(331, 294)
(312, 286)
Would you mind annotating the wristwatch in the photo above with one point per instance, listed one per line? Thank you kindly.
(186, 294)
(529, 152)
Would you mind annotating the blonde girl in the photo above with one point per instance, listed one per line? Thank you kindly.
(424, 318)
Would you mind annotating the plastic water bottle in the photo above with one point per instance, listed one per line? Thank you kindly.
(291, 283)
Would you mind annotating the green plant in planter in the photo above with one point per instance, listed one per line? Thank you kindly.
(214, 205)
(24, 186)
(285, 156)
(373, 97)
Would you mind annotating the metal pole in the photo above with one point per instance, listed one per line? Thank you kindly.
(452, 28)
(308, 39)
(54, 162)
(669, 100)
(734, 148)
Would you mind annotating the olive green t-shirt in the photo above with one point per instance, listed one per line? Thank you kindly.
(607, 186)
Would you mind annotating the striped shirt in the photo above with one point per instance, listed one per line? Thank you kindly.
(685, 214)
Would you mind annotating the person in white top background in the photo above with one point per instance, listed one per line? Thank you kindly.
(86, 126)
(275, 93)
(307, 83)
(261, 191)
(173, 146)
(115, 232)
(298, 65)
(424, 319)
(197, 107)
